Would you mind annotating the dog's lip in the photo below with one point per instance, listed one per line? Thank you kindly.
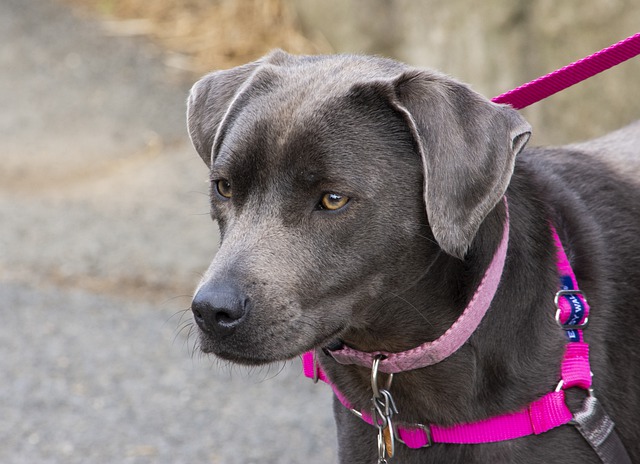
(256, 358)
(247, 360)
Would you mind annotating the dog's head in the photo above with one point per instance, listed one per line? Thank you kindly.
(335, 181)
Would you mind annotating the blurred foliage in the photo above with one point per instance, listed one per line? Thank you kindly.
(498, 45)
(208, 34)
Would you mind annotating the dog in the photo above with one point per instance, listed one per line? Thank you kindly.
(360, 202)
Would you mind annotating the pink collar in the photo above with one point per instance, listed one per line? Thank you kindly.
(542, 415)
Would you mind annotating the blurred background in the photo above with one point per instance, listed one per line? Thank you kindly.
(104, 215)
(494, 45)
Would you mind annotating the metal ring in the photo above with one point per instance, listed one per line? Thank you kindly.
(374, 376)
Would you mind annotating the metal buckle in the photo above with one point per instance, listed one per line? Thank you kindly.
(424, 428)
(556, 300)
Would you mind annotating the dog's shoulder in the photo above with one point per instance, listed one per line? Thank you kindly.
(614, 156)
(612, 159)
(619, 150)
(624, 141)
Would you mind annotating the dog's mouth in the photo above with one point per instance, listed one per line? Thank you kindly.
(257, 351)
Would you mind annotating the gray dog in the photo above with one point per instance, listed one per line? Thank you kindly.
(362, 205)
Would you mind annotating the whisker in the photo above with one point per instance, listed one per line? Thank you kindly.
(428, 239)
(196, 345)
(173, 298)
(281, 364)
(409, 286)
(411, 305)
(309, 322)
(182, 328)
(266, 376)
(180, 312)
(206, 194)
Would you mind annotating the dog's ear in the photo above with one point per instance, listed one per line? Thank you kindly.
(211, 97)
(208, 102)
(468, 147)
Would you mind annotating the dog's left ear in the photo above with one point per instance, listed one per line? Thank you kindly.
(468, 147)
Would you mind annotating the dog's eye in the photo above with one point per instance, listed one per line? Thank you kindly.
(333, 201)
(224, 188)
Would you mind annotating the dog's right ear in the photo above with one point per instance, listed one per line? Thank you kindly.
(212, 97)
(208, 102)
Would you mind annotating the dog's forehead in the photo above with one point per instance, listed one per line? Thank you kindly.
(295, 94)
(299, 89)
(283, 140)
(294, 116)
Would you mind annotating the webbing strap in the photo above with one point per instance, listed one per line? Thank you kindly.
(558, 80)
(598, 430)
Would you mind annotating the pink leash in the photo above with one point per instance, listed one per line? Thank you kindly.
(554, 82)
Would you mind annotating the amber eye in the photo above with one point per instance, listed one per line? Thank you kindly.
(224, 188)
(333, 201)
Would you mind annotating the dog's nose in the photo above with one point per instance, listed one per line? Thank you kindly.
(219, 307)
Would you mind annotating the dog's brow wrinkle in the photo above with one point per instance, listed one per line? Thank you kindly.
(222, 158)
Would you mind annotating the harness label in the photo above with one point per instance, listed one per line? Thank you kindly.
(576, 303)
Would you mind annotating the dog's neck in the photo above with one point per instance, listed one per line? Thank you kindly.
(435, 351)
(510, 353)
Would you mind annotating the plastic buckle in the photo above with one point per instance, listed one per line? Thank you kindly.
(583, 324)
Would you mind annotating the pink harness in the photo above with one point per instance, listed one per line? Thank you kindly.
(572, 316)
(542, 415)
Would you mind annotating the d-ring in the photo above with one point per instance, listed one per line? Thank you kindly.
(374, 376)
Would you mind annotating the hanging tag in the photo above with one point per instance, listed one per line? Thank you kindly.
(382, 448)
(389, 440)
(383, 410)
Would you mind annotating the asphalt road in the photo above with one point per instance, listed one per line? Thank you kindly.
(104, 232)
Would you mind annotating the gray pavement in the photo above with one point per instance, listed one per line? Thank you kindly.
(104, 232)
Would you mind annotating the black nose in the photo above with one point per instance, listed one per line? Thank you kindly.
(219, 307)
